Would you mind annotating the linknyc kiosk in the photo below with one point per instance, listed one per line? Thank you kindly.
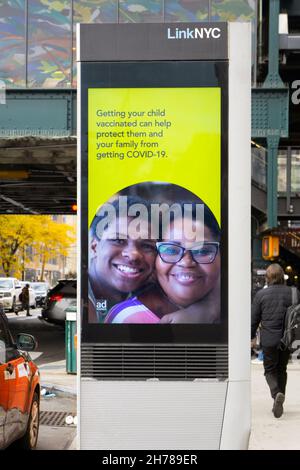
(164, 224)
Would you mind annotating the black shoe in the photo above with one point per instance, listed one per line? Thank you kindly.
(278, 405)
(16, 313)
(28, 315)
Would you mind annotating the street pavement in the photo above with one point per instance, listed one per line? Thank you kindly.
(50, 338)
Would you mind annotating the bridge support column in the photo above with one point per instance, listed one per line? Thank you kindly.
(272, 177)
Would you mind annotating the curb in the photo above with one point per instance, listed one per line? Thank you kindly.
(59, 388)
(73, 444)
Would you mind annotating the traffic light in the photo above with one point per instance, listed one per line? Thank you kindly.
(74, 207)
(270, 247)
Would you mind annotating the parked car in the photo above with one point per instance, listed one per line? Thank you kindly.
(10, 289)
(32, 299)
(19, 389)
(41, 290)
(58, 300)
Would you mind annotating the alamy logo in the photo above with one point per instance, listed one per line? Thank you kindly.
(194, 33)
(296, 94)
(149, 221)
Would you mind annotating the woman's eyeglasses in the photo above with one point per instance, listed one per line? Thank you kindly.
(172, 253)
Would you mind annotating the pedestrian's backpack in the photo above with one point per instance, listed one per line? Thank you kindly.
(291, 323)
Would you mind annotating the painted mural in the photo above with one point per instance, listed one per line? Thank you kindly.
(49, 44)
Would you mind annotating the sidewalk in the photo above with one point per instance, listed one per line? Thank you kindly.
(269, 433)
(54, 376)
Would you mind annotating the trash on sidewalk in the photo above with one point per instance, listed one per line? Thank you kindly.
(47, 393)
(71, 420)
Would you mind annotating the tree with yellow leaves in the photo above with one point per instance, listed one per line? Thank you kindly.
(15, 233)
(53, 240)
(47, 238)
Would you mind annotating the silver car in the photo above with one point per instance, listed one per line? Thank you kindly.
(41, 290)
(58, 299)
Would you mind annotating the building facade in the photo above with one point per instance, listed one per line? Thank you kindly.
(37, 38)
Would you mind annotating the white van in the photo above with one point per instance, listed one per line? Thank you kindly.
(10, 289)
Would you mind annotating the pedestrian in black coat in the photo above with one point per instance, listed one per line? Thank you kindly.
(26, 300)
(268, 310)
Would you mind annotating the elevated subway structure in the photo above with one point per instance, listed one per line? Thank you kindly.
(38, 152)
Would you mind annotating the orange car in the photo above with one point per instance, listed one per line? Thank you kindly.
(19, 389)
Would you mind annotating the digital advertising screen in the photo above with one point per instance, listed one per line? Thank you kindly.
(155, 199)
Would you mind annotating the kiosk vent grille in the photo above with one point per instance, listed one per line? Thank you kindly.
(154, 361)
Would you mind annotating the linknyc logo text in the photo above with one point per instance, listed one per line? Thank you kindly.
(194, 33)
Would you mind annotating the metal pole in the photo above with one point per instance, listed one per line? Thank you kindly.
(70, 125)
(273, 79)
(288, 178)
(260, 41)
(272, 175)
(254, 47)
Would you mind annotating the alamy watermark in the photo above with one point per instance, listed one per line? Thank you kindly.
(151, 221)
(295, 97)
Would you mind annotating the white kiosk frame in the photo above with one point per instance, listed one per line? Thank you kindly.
(202, 414)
